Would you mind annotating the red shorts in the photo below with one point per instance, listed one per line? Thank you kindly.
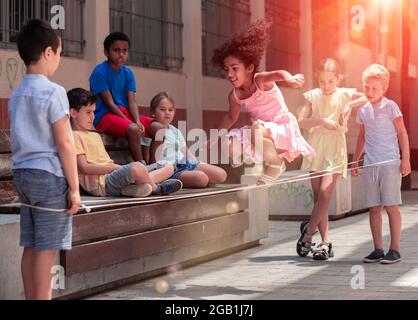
(116, 126)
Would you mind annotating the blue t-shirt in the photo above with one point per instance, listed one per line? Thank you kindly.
(381, 138)
(34, 107)
(118, 83)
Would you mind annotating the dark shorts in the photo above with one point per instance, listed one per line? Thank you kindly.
(184, 165)
(41, 229)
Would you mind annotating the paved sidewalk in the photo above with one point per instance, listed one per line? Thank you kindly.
(274, 271)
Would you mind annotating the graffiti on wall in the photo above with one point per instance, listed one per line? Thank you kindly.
(294, 193)
(11, 71)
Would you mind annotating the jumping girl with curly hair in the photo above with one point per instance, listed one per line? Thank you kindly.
(258, 94)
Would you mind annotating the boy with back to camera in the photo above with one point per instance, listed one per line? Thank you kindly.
(44, 161)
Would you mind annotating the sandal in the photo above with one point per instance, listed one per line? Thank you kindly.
(302, 247)
(266, 180)
(235, 165)
(324, 251)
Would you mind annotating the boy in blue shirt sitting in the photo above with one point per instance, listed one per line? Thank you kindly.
(116, 109)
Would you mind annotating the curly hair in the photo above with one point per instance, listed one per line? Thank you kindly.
(249, 47)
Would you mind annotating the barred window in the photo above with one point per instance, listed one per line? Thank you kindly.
(221, 19)
(284, 48)
(155, 30)
(15, 13)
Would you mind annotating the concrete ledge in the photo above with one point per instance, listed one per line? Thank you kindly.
(294, 200)
(184, 232)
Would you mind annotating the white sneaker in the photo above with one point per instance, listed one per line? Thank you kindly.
(137, 190)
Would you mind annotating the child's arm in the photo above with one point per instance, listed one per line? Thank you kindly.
(358, 100)
(110, 103)
(404, 144)
(359, 151)
(66, 152)
(133, 109)
(156, 144)
(266, 78)
(94, 169)
(230, 118)
(233, 114)
(306, 122)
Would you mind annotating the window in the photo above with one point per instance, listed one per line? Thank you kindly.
(221, 19)
(155, 30)
(14, 14)
(284, 48)
(325, 29)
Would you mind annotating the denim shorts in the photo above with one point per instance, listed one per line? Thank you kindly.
(41, 229)
(382, 185)
(122, 177)
(184, 165)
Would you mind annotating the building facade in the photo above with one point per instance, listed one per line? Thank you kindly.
(173, 41)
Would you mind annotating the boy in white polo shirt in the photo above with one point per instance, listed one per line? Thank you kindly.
(382, 131)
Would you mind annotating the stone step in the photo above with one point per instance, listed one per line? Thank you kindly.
(96, 255)
(128, 219)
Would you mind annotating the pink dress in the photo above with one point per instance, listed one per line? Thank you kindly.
(269, 109)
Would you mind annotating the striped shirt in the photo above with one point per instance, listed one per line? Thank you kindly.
(381, 139)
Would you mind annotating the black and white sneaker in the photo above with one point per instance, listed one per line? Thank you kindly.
(391, 257)
(376, 256)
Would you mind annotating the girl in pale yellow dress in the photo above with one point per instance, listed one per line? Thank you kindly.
(325, 114)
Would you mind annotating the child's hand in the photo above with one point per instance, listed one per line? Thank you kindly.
(405, 167)
(354, 170)
(74, 201)
(141, 127)
(296, 81)
(345, 114)
(329, 124)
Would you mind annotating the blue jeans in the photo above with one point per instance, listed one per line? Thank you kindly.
(184, 165)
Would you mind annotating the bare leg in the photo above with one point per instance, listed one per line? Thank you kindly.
(162, 174)
(271, 157)
(27, 273)
(146, 154)
(132, 135)
(375, 218)
(215, 174)
(140, 174)
(395, 224)
(155, 145)
(42, 265)
(194, 179)
(320, 211)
